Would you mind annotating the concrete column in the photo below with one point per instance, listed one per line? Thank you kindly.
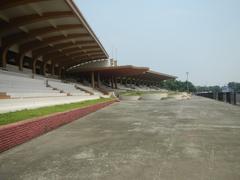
(115, 82)
(93, 80)
(59, 71)
(98, 79)
(34, 62)
(135, 82)
(4, 52)
(130, 82)
(53, 69)
(20, 61)
(121, 81)
(111, 80)
(44, 67)
(62, 72)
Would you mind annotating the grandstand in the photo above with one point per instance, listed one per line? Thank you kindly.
(50, 55)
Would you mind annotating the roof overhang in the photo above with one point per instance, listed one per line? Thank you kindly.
(114, 71)
(156, 76)
(41, 27)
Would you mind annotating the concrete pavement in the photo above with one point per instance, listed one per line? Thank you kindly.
(197, 139)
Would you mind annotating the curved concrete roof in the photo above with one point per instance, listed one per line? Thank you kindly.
(154, 76)
(113, 71)
(49, 30)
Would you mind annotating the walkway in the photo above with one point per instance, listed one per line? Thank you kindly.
(169, 140)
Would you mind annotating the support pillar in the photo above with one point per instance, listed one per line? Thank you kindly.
(20, 61)
(92, 80)
(121, 81)
(4, 57)
(115, 83)
(98, 79)
(62, 72)
(135, 82)
(34, 62)
(59, 71)
(148, 84)
(44, 68)
(53, 69)
(112, 82)
(130, 82)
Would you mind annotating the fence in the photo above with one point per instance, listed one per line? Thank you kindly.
(228, 97)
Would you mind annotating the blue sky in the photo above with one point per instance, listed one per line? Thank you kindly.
(201, 37)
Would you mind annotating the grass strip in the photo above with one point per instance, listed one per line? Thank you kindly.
(138, 93)
(11, 117)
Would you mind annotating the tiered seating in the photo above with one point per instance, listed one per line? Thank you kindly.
(24, 87)
(19, 91)
(89, 89)
(68, 88)
(123, 87)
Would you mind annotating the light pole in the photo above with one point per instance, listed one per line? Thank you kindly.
(187, 73)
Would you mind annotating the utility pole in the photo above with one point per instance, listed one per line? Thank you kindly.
(187, 73)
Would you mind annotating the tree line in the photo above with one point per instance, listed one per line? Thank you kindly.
(181, 86)
(184, 86)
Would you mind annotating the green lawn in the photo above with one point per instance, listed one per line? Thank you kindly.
(12, 117)
(137, 93)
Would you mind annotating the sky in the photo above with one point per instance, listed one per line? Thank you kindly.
(201, 37)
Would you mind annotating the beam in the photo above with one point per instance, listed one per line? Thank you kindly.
(22, 37)
(73, 63)
(58, 56)
(17, 22)
(50, 50)
(76, 51)
(36, 44)
(72, 48)
(77, 55)
(6, 4)
(53, 55)
(68, 59)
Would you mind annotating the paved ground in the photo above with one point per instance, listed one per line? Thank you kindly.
(196, 139)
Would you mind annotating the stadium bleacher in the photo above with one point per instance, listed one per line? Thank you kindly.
(19, 91)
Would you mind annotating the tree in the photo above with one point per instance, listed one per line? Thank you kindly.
(208, 89)
(234, 86)
(176, 85)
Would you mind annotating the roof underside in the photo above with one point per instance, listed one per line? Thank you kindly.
(155, 76)
(115, 71)
(142, 73)
(49, 30)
